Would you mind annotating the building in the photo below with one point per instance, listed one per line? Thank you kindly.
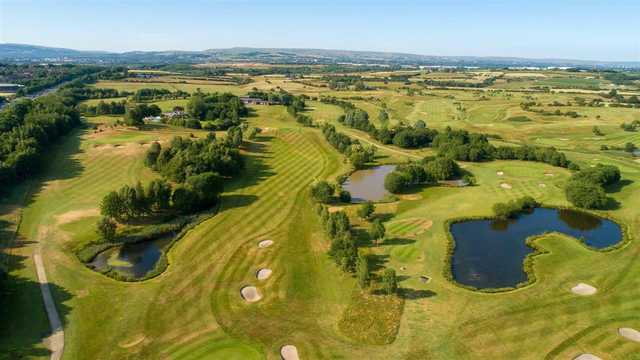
(9, 87)
(253, 101)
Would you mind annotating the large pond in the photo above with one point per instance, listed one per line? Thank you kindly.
(490, 253)
(133, 260)
(368, 185)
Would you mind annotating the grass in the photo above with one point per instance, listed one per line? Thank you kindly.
(193, 310)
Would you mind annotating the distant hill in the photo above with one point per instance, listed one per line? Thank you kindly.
(32, 53)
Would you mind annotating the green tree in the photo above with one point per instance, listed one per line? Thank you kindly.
(396, 182)
(106, 228)
(345, 196)
(377, 231)
(586, 194)
(112, 206)
(322, 192)
(366, 210)
(152, 154)
(389, 281)
(363, 271)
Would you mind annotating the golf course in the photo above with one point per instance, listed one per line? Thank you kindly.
(260, 271)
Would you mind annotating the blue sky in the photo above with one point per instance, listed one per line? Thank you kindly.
(601, 30)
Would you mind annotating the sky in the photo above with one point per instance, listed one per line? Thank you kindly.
(569, 29)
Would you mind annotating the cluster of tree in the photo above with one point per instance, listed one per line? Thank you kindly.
(628, 147)
(36, 78)
(135, 113)
(547, 155)
(337, 227)
(224, 109)
(632, 126)
(346, 82)
(186, 157)
(27, 127)
(104, 108)
(184, 122)
(304, 120)
(622, 78)
(325, 193)
(196, 193)
(455, 83)
(428, 171)
(513, 208)
(345, 105)
(585, 188)
(296, 105)
(358, 155)
(147, 94)
(86, 92)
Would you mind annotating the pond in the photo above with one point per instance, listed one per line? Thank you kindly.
(132, 260)
(368, 184)
(490, 253)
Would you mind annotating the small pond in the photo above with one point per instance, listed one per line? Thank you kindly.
(368, 184)
(133, 260)
(490, 253)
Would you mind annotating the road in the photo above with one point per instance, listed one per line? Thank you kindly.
(56, 340)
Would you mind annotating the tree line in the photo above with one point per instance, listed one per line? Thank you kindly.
(358, 154)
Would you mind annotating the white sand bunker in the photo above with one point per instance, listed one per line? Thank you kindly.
(549, 174)
(289, 352)
(250, 294)
(425, 279)
(584, 289)
(265, 243)
(500, 173)
(629, 333)
(505, 186)
(263, 274)
(542, 185)
(586, 357)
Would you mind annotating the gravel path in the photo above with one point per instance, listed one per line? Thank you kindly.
(56, 340)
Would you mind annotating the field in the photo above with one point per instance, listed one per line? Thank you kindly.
(194, 310)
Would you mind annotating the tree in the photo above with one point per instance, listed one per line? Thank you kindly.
(630, 147)
(389, 281)
(206, 186)
(184, 199)
(106, 228)
(383, 117)
(345, 196)
(322, 192)
(234, 136)
(597, 132)
(586, 194)
(420, 124)
(362, 270)
(152, 154)
(112, 205)
(377, 231)
(366, 210)
(396, 182)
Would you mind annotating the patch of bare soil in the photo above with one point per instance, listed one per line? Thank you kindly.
(74, 215)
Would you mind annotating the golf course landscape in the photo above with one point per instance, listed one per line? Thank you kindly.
(280, 262)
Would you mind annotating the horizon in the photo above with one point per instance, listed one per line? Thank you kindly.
(436, 28)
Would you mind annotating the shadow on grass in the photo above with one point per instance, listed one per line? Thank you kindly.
(377, 262)
(397, 241)
(617, 187)
(415, 294)
(22, 314)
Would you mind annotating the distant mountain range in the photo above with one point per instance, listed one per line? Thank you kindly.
(32, 53)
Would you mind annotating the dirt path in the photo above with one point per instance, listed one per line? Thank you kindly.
(56, 340)
(385, 147)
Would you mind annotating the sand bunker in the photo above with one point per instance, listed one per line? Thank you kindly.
(500, 173)
(289, 352)
(265, 243)
(549, 174)
(584, 289)
(425, 279)
(137, 340)
(250, 294)
(74, 215)
(542, 185)
(263, 274)
(629, 333)
(505, 186)
(411, 197)
(586, 357)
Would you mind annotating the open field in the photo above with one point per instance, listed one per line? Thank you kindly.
(194, 309)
